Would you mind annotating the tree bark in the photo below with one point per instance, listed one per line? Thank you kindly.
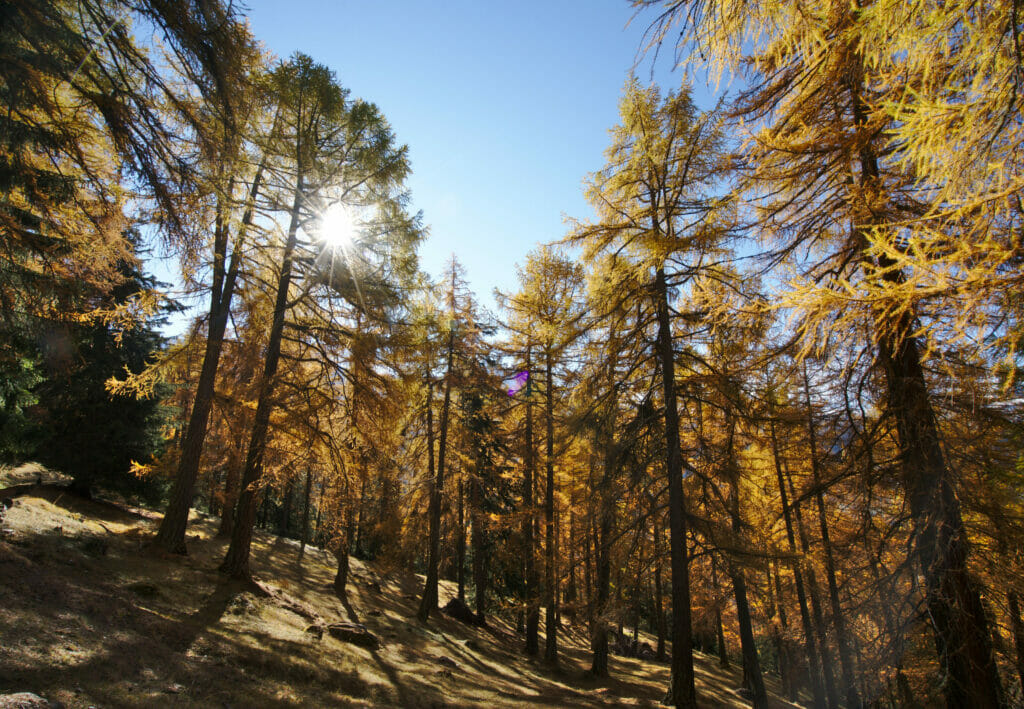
(460, 544)
(815, 595)
(236, 561)
(813, 658)
(530, 554)
(429, 600)
(682, 692)
(428, 603)
(550, 581)
(171, 535)
(842, 637)
(955, 611)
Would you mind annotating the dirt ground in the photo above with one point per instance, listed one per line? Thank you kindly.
(90, 617)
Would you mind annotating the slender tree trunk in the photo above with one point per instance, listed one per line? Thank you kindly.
(305, 512)
(550, 580)
(429, 600)
(479, 548)
(286, 508)
(723, 651)
(236, 561)
(815, 595)
(842, 637)
(813, 658)
(428, 603)
(751, 661)
(460, 544)
(955, 611)
(682, 692)
(603, 548)
(171, 535)
(1018, 635)
(786, 673)
(233, 477)
(659, 609)
(530, 554)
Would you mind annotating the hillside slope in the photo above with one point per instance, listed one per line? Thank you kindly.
(89, 618)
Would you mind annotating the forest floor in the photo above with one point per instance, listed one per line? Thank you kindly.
(91, 618)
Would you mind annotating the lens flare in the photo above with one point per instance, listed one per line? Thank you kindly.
(338, 226)
(518, 382)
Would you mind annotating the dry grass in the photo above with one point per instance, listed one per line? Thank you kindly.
(90, 618)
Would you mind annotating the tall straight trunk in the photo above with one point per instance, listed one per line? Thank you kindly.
(815, 595)
(233, 477)
(1017, 627)
(785, 650)
(171, 535)
(236, 561)
(360, 507)
(529, 551)
(429, 600)
(659, 609)
(751, 662)
(603, 549)
(550, 580)
(886, 594)
(479, 539)
(962, 638)
(723, 651)
(306, 502)
(569, 600)
(286, 508)
(460, 544)
(428, 603)
(842, 637)
(810, 641)
(682, 692)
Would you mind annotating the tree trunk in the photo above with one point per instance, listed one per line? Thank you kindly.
(842, 637)
(460, 544)
(236, 561)
(955, 611)
(428, 603)
(751, 662)
(286, 508)
(813, 658)
(479, 539)
(659, 609)
(1018, 635)
(429, 600)
(550, 582)
(234, 475)
(529, 552)
(171, 535)
(304, 535)
(786, 669)
(603, 548)
(816, 612)
(682, 692)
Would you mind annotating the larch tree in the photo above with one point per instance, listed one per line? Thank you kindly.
(868, 167)
(333, 148)
(654, 204)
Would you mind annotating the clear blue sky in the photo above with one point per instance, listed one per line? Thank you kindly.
(505, 107)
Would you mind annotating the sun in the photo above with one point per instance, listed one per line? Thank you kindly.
(337, 226)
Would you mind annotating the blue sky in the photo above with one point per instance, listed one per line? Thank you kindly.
(505, 107)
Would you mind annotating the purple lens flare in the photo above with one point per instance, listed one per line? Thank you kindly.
(518, 382)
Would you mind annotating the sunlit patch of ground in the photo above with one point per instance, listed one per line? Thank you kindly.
(90, 618)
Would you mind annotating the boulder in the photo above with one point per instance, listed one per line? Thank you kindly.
(354, 633)
(448, 662)
(461, 612)
(26, 700)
